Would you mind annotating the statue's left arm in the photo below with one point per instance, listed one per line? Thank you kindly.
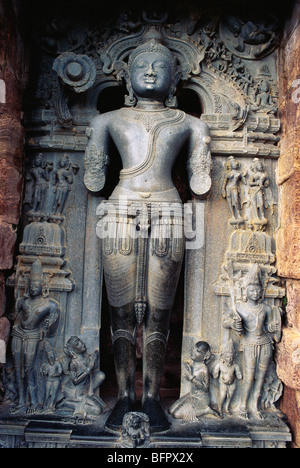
(199, 162)
(96, 155)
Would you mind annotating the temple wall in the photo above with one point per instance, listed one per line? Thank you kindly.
(288, 235)
(11, 146)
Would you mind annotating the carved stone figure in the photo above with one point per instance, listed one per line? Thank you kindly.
(259, 184)
(40, 175)
(231, 190)
(52, 371)
(228, 372)
(83, 381)
(136, 430)
(64, 178)
(260, 326)
(196, 404)
(264, 101)
(141, 264)
(36, 319)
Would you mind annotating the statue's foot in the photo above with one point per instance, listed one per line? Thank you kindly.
(115, 420)
(157, 416)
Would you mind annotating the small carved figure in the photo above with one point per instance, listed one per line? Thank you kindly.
(259, 192)
(37, 318)
(264, 101)
(83, 381)
(228, 372)
(53, 371)
(136, 430)
(196, 404)
(259, 327)
(40, 175)
(64, 178)
(231, 190)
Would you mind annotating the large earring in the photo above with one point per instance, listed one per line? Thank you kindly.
(171, 100)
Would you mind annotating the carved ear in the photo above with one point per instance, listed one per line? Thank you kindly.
(122, 71)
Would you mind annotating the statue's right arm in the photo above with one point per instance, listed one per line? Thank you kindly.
(96, 155)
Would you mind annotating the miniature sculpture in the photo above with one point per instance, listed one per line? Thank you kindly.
(136, 430)
(83, 381)
(260, 326)
(196, 404)
(141, 282)
(40, 174)
(259, 183)
(64, 178)
(228, 372)
(52, 371)
(231, 190)
(36, 319)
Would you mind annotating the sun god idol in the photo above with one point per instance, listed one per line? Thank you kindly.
(143, 245)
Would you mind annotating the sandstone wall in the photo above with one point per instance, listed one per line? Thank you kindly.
(288, 236)
(11, 144)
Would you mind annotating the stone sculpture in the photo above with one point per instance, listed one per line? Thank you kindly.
(196, 404)
(231, 189)
(82, 382)
(52, 370)
(141, 282)
(136, 430)
(227, 371)
(36, 319)
(260, 326)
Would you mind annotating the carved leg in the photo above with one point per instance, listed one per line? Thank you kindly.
(124, 341)
(155, 344)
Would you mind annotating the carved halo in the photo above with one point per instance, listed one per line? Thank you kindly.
(189, 55)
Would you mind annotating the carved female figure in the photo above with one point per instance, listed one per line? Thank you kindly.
(258, 182)
(231, 190)
(141, 281)
(40, 173)
(83, 382)
(196, 403)
(64, 178)
(259, 328)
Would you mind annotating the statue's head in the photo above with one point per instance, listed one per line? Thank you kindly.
(153, 72)
(253, 284)
(36, 279)
(75, 346)
(201, 352)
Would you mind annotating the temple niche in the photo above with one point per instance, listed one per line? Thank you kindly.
(147, 302)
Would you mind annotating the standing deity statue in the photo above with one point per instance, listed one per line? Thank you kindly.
(37, 318)
(40, 175)
(144, 244)
(231, 190)
(259, 191)
(64, 178)
(260, 326)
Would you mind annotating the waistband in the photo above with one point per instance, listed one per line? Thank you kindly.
(170, 196)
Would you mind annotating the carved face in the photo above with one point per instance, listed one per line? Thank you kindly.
(36, 288)
(151, 75)
(254, 292)
(79, 346)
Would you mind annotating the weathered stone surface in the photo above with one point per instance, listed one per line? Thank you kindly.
(8, 238)
(288, 234)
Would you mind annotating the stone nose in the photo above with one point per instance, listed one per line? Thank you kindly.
(150, 71)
